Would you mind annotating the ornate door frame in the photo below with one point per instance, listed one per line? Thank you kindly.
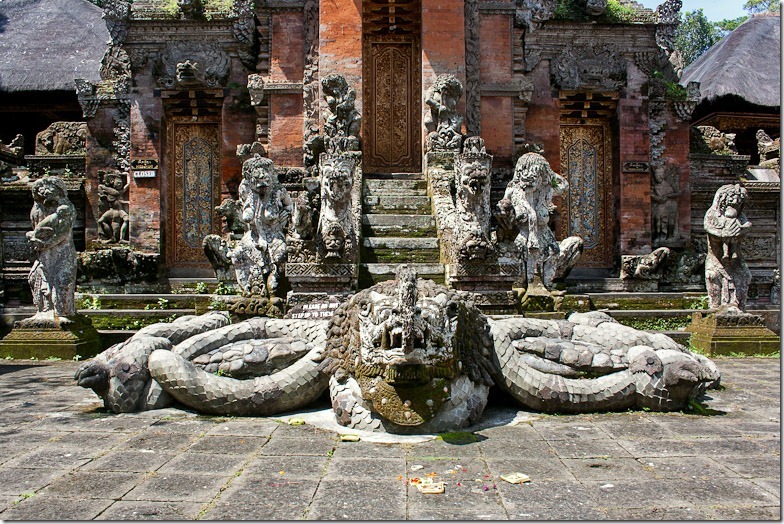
(587, 163)
(192, 187)
(392, 86)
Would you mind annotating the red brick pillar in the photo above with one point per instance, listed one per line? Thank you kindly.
(340, 42)
(634, 214)
(287, 63)
(495, 68)
(145, 193)
(676, 153)
(443, 43)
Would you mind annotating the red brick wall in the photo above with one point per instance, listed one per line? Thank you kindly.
(542, 123)
(443, 42)
(340, 42)
(495, 67)
(286, 130)
(288, 47)
(99, 158)
(676, 153)
(145, 202)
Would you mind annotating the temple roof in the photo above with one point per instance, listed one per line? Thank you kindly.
(746, 63)
(45, 44)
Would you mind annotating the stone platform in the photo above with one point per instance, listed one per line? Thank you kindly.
(63, 457)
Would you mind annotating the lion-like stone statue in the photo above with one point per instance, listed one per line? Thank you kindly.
(404, 356)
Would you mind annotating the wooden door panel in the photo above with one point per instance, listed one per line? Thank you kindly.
(392, 127)
(193, 192)
(586, 162)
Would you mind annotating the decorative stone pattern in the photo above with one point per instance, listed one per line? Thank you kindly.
(342, 122)
(114, 221)
(665, 191)
(592, 68)
(62, 138)
(338, 233)
(708, 140)
(191, 65)
(405, 356)
(727, 276)
(645, 267)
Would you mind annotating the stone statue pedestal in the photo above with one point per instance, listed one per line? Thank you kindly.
(537, 297)
(730, 330)
(42, 336)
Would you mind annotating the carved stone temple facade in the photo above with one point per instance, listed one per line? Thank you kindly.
(376, 100)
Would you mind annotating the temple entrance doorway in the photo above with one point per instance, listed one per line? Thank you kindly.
(193, 191)
(586, 139)
(391, 58)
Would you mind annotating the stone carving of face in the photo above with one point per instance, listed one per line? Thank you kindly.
(334, 241)
(474, 176)
(259, 174)
(337, 176)
(187, 73)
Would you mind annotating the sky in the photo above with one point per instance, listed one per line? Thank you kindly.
(715, 10)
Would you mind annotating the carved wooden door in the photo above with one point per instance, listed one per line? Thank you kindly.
(586, 162)
(392, 86)
(193, 189)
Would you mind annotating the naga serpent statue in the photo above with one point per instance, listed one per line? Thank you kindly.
(404, 356)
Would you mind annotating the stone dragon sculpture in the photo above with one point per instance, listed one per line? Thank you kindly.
(403, 356)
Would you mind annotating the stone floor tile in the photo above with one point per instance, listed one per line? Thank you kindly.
(640, 493)
(308, 467)
(773, 485)
(692, 513)
(359, 500)
(607, 469)
(164, 441)
(684, 467)
(557, 500)
(467, 469)
(568, 429)
(41, 507)
(659, 447)
(637, 427)
(368, 449)
(506, 448)
(771, 513)
(521, 431)
(129, 461)
(540, 468)
(248, 427)
(438, 449)
(767, 465)
(93, 484)
(283, 498)
(588, 448)
(646, 514)
(227, 444)
(214, 464)
(15, 481)
(222, 511)
(365, 468)
(145, 510)
(172, 487)
(53, 457)
(319, 445)
(456, 503)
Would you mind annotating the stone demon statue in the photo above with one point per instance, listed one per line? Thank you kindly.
(53, 275)
(727, 276)
(404, 356)
(443, 122)
(525, 212)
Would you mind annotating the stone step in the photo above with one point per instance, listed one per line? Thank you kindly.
(389, 225)
(131, 319)
(142, 301)
(397, 204)
(370, 274)
(394, 176)
(395, 187)
(646, 300)
(397, 250)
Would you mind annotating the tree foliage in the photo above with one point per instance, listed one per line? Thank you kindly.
(762, 6)
(695, 35)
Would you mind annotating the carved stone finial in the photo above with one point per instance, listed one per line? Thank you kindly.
(727, 276)
(599, 67)
(530, 14)
(443, 122)
(337, 235)
(183, 65)
(472, 202)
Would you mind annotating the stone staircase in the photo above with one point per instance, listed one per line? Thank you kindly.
(397, 228)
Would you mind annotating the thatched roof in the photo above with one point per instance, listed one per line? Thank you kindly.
(45, 44)
(746, 63)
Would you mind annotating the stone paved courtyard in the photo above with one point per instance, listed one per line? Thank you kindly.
(63, 457)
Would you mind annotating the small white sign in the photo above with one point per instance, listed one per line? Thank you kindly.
(145, 173)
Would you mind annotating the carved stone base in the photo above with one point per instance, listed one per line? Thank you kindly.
(483, 277)
(568, 303)
(440, 159)
(730, 330)
(324, 278)
(497, 302)
(249, 307)
(537, 297)
(32, 338)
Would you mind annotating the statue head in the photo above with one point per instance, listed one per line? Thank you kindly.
(49, 190)
(337, 176)
(733, 195)
(334, 240)
(335, 88)
(532, 171)
(473, 173)
(187, 72)
(449, 88)
(259, 173)
(405, 342)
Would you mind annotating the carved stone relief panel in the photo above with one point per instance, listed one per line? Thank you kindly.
(593, 68)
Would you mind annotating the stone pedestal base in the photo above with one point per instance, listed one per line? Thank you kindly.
(322, 278)
(313, 305)
(42, 340)
(730, 330)
(537, 297)
(249, 307)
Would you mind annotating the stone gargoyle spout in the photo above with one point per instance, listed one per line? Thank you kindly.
(404, 356)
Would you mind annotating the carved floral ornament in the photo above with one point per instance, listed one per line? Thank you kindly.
(600, 68)
(191, 65)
